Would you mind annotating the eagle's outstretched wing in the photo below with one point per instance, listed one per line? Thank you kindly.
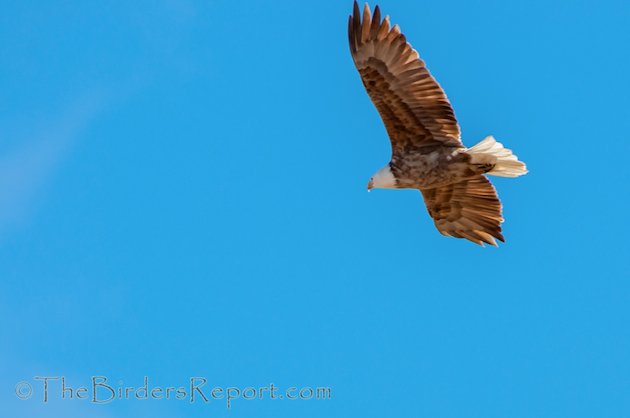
(469, 209)
(413, 106)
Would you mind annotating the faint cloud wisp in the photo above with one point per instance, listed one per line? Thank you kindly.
(25, 169)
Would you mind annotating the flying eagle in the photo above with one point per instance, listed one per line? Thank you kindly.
(427, 151)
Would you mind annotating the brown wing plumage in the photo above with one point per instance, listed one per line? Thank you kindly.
(469, 209)
(413, 106)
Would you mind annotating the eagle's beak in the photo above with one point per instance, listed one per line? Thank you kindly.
(370, 185)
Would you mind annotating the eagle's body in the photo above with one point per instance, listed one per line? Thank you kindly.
(427, 151)
(443, 166)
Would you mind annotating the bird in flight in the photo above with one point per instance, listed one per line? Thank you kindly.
(427, 151)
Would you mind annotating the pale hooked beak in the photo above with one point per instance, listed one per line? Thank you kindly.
(370, 185)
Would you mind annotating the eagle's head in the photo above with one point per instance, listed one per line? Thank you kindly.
(383, 179)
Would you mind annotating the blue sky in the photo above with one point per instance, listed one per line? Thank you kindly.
(183, 193)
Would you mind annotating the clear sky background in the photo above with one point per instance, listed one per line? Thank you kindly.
(183, 193)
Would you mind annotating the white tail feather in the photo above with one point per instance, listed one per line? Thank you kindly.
(507, 165)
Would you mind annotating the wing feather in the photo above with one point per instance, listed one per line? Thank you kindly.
(376, 22)
(413, 106)
(469, 209)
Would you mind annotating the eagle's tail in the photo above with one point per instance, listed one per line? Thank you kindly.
(491, 151)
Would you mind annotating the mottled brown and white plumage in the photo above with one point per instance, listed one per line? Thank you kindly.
(427, 151)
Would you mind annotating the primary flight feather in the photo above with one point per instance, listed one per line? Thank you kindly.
(427, 151)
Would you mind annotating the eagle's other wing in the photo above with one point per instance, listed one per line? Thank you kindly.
(469, 209)
(413, 106)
